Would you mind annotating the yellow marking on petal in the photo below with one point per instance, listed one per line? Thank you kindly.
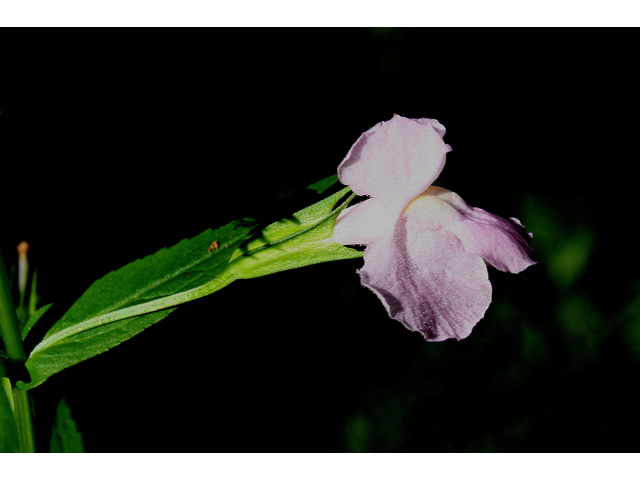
(432, 209)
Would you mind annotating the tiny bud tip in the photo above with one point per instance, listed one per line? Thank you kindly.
(22, 248)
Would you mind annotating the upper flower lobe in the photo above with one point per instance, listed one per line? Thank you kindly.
(426, 247)
(395, 161)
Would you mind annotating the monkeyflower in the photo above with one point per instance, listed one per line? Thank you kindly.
(426, 247)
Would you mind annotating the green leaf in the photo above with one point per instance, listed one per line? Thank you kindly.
(33, 296)
(33, 320)
(9, 442)
(304, 239)
(65, 437)
(125, 302)
(323, 185)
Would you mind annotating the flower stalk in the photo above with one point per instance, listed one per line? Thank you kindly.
(23, 268)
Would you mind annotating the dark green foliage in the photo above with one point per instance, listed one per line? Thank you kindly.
(33, 319)
(65, 437)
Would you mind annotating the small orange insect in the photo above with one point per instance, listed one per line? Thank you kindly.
(214, 246)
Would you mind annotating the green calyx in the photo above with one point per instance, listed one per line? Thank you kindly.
(303, 239)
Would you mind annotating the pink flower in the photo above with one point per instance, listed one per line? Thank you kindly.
(426, 247)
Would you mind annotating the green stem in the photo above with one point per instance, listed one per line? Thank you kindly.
(24, 419)
(15, 351)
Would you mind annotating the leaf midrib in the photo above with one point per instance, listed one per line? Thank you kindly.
(139, 293)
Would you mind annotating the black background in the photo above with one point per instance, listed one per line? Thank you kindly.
(117, 143)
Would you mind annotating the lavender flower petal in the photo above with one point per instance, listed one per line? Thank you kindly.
(426, 280)
(360, 224)
(395, 161)
(502, 242)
